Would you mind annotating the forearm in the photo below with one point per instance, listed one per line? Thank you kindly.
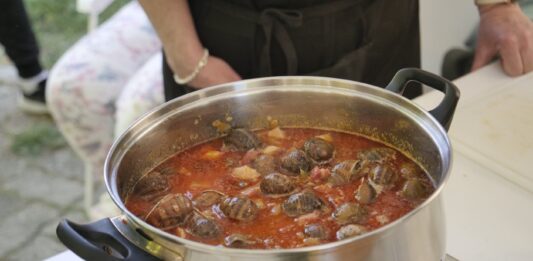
(173, 23)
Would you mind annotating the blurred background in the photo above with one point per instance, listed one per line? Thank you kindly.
(41, 179)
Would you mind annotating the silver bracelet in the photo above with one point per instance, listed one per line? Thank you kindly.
(199, 66)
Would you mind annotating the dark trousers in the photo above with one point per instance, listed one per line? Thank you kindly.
(360, 40)
(17, 37)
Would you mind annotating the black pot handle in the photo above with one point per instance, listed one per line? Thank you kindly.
(99, 241)
(443, 113)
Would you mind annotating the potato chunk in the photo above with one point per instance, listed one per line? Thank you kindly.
(245, 173)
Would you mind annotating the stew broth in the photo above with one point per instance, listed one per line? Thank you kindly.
(387, 186)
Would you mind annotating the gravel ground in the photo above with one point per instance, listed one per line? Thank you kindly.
(38, 186)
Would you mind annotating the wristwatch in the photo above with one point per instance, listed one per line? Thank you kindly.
(491, 2)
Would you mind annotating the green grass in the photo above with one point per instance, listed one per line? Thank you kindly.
(58, 25)
(36, 140)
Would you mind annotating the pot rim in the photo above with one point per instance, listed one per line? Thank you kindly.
(237, 87)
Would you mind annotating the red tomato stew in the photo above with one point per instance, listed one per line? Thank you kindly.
(281, 188)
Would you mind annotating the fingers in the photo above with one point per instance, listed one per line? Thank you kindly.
(527, 56)
(483, 56)
(514, 61)
(511, 58)
(527, 61)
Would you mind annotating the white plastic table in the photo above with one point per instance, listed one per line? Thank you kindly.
(489, 196)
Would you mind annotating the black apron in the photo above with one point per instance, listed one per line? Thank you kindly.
(361, 40)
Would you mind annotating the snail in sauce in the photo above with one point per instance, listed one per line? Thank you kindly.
(304, 188)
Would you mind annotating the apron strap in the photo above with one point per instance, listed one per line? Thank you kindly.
(274, 23)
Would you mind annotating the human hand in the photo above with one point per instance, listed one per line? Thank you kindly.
(505, 30)
(216, 71)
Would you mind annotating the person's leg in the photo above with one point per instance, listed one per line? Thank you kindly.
(85, 82)
(143, 92)
(18, 39)
(21, 47)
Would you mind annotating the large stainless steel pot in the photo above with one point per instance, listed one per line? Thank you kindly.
(316, 102)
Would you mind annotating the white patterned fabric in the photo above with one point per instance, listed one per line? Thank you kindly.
(104, 82)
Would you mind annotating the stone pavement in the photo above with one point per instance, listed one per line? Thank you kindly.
(36, 191)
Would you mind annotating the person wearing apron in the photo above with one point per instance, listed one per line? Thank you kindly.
(361, 40)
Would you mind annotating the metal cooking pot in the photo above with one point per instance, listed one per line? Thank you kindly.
(295, 101)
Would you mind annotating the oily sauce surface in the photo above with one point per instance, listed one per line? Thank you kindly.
(208, 167)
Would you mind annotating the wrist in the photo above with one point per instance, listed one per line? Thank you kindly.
(183, 59)
(199, 65)
(488, 5)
